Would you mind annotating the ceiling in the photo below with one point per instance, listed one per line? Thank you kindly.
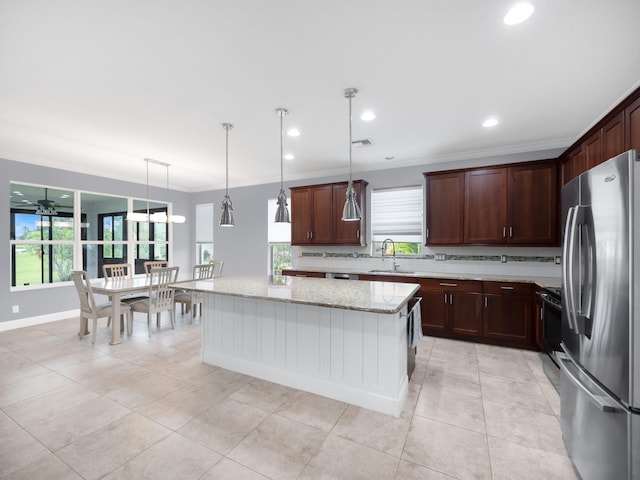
(96, 87)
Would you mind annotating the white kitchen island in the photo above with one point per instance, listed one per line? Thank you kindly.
(345, 340)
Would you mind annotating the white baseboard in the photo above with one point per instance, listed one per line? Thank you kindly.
(30, 321)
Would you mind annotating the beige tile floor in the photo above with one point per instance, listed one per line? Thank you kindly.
(148, 408)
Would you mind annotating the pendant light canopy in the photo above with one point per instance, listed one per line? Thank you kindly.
(226, 220)
(351, 210)
(282, 213)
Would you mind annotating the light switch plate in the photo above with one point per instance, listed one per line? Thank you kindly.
(503, 258)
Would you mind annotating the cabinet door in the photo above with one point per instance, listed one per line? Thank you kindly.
(485, 206)
(578, 162)
(508, 311)
(593, 150)
(321, 214)
(566, 171)
(533, 205)
(300, 216)
(347, 233)
(444, 208)
(434, 312)
(613, 137)
(465, 313)
(632, 125)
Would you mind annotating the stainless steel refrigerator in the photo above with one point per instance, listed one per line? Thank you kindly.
(600, 366)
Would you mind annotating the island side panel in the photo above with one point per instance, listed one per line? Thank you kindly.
(353, 356)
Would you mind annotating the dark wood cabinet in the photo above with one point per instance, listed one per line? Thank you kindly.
(508, 310)
(303, 273)
(617, 132)
(533, 204)
(311, 215)
(514, 205)
(444, 206)
(592, 147)
(632, 125)
(452, 308)
(485, 206)
(613, 137)
(316, 212)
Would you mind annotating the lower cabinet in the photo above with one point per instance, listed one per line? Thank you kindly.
(452, 307)
(303, 273)
(508, 312)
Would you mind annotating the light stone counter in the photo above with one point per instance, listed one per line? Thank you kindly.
(541, 281)
(345, 340)
(375, 297)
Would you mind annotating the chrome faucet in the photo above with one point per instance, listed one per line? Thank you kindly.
(384, 249)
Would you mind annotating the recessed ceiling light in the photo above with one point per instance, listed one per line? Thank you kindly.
(367, 115)
(490, 122)
(518, 13)
(289, 156)
(293, 132)
(390, 157)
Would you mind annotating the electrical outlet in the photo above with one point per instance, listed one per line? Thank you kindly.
(503, 258)
(441, 257)
(558, 260)
(15, 309)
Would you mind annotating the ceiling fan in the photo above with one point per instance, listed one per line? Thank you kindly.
(44, 205)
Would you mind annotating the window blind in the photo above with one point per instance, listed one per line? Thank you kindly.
(397, 213)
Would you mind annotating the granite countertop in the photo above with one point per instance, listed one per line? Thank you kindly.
(375, 297)
(541, 281)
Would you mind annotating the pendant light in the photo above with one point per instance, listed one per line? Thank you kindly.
(226, 220)
(158, 217)
(282, 213)
(161, 217)
(351, 210)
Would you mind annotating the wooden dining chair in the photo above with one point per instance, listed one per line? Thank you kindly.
(89, 309)
(121, 270)
(117, 270)
(161, 296)
(217, 267)
(148, 265)
(191, 299)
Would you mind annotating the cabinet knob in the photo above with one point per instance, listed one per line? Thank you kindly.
(506, 288)
(448, 284)
(504, 232)
(486, 302)
(445, 298)
(510, 232)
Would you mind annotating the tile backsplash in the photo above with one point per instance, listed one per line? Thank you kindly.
(536, 262)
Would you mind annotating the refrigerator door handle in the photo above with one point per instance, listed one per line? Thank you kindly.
(584, 322)
(602, 402)
(567, 265)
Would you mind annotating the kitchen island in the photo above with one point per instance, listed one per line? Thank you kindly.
(343, 340)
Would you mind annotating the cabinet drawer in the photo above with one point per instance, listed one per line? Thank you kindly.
(451, 285)
(302, 273)
(507, 288)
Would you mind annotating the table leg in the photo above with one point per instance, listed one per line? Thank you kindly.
(116, 318)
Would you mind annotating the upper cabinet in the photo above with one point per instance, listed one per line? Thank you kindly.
(515, 204)
(616, 133)
(444, 202)
(316, 212)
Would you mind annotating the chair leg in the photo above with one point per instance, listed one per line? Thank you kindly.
(83, 327)
(173, 318)
(95, 329)
(149, 323)
(158, 319)
(130, 323)
(109, 321)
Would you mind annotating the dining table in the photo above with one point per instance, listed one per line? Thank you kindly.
(116, 288)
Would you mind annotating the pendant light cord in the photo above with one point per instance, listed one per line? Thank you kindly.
(281, 152)
(146, 160)
(226, 190)
(350, 141)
